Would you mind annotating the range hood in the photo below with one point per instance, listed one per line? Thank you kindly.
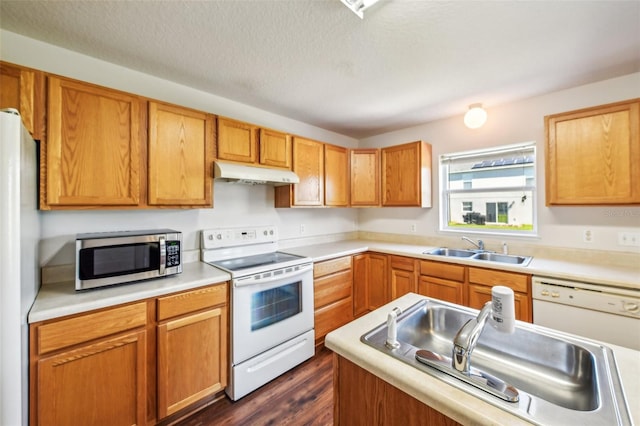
(251, 175)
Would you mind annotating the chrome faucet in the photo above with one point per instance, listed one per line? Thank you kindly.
(500, 309)
(466, 339)
(479, 244)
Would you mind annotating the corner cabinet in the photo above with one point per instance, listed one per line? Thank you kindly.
(592, 155)
(180, 156)
(365, 177)
(406, 175)
(93, 153)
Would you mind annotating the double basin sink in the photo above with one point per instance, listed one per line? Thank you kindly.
(559, 379)
(481, 255)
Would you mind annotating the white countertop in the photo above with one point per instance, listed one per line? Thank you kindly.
(455, 403)
(618, 276)
(61, 299)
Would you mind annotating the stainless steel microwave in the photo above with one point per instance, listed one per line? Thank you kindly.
(108, 258)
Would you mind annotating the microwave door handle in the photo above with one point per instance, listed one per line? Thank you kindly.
(163, 254)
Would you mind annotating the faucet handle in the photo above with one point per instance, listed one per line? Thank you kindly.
(503, 309)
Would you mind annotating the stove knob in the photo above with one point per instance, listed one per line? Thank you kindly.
(544, 292)
(631, 307)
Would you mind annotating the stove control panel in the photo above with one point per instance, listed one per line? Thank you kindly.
(233, 237)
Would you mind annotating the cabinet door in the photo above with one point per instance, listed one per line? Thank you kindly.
(308, 164)
(593, 155)
(23, 89)
(378, 282)
(480, 294)
(365, 177)
(336, 176)
(102, 383)
(192, 359)
(180, 156)
(93, 146)
(406, 175)
(403, 276)
(360, 284)
(447, 290)
(275, 149)
(237, 141)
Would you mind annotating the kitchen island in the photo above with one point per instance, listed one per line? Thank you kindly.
(433, 392)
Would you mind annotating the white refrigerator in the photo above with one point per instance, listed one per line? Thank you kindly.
(19, 264)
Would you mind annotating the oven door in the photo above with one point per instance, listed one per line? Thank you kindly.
(270, 311)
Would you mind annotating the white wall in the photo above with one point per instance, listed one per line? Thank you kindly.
(234, 205)
(507, 124)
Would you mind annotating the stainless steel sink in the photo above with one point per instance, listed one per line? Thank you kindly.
(560, 379)
(484, 255)
(503, 258)
(443, 251)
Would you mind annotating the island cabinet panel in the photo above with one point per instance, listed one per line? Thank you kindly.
(237, 141)
(92, 155)
(361, 398)
(180, 156)
(481, 280)
(444, 281)
(336, 176)
(192, 347)
(275, 149)
(23, 89)
(592, 155)
(333, 290)
(365, 177)
(406, 175)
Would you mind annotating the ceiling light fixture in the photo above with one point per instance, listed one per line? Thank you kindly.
(475, 117)
(359, 6)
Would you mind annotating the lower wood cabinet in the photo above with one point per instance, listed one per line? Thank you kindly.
(378, 282)
(333, 303)
(101, 367)
(444, 281)
(192, 343)
(404, 276)
(481, 280)
(361, 398)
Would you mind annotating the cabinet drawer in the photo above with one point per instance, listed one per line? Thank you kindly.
(491, 277)
(191, 301)
(447, 271)
(83, 328)
(331, 266)
(404, 263)
(333, 316)
(332, 288)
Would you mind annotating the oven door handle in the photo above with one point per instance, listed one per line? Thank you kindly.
(261, 279)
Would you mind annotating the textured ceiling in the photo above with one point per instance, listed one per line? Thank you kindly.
(406, 63)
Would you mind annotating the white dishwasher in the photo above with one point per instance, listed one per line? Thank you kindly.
(608, 314)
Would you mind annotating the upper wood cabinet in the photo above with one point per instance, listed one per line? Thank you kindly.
(275, 149)
(92, 155)
(406, 175)
(308, 164)
(23, 89)
(180, 156)
(246, 143)
(592, 155)
(336, 176)
(365, 177)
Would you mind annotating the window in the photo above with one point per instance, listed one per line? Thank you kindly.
(489, 191)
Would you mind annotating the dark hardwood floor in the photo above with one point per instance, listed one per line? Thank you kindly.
(302, 396)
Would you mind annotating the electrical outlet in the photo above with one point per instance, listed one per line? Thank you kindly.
(629, 239)
(302, 229)
(413, 228)
(587, 236)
